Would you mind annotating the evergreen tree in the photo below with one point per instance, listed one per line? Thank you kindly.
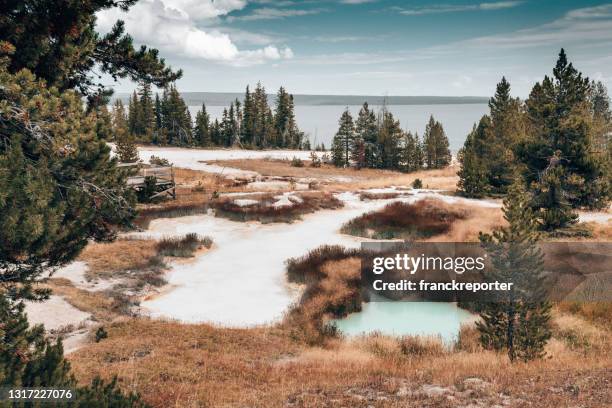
(57, 41)
(358, 153)
(104, 122)
(158, 132)
(551, 200)
(201, 131)
(389, 140)
(561, 127)
(125, 147)
(343, 140)
(518, 322)
(247, 127)
(62, 187)
(134, 115)
(176, 118)
(473, 175)
(146, 124)
(437, 152)
(366, 130)
(507, 129)
(411, 155)
(29, 359)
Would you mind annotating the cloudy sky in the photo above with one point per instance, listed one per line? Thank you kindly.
(374, 47)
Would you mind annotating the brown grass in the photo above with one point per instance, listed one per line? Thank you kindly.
(172, 364)
(265, 212)
(445, 179)
(101, 306)
(422, 219)
(336, 293)
(107, 259)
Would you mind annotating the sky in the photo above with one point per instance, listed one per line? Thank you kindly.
(369, 47)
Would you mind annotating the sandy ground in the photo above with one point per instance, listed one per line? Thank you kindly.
(57, 315)
(195, 158)
(75, 273)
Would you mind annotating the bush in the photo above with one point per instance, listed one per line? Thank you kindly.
(417, 183)
(182, 247)
(314, 160)
(422, 219)
(297, 162)
(421, 346)
(101, 334)
(158, 161)
(149, 189)
(308, 267)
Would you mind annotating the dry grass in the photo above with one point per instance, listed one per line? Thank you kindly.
(445, 179)
(422, 219)
(172, 364)
(599, 313)
(196, 181)
(264, 211)
(336, 293)
(101, 306)
(105, 260)
(182, 247)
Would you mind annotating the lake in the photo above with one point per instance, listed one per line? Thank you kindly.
(435, 319)
(320, 122)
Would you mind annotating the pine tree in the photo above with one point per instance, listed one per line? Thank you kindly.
(62, 187)
(507, 129)
(343, 140)
(518, 322)
(125, 147)
(29, 359)
(248, 119)
(437, 152)
(158, 132)
(411, 156)
(58, 43)
(134, 115)
(104, 122)
(389, 140)
(146, 112)
(358, 153)
(474, 174)
(561, 128)
(176, 118)
(551, 200)
(366, 130)
(201, 131)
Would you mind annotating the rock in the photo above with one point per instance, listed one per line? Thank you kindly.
(403, 392)
(476, 383)
(434, 390)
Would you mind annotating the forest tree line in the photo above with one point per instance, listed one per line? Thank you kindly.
(378, 141)
(165, 120)
(556, 142)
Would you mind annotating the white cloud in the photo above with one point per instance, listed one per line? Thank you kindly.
(268, 13)
(174, 26)
(585, 27)
(450, 8)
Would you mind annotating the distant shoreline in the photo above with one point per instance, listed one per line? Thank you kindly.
(225, 98)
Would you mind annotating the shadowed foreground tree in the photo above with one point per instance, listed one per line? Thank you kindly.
(29, 359)
(518, 322)
(59, 187)
(57, 41)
